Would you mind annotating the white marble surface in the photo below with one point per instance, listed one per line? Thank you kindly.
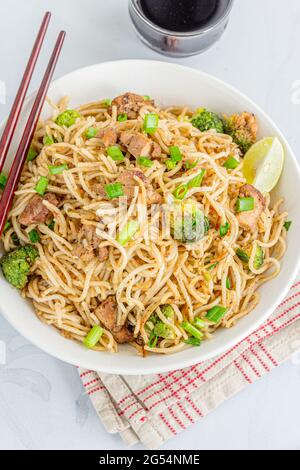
(42, 404)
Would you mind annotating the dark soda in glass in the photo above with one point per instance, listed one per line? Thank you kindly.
(180, 15)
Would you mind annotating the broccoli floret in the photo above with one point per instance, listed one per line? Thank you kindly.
(205, 120)
(167, 311)
(67, 118)
(16, 265)
(188, 224)
(243, 130)
(163, 331)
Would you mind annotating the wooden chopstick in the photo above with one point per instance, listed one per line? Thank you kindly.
(19, 99)
(20, 157)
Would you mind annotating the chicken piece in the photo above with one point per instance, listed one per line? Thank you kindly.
(102, 254)
(88, 247)
(248, 220)
(129, 183)
(108, 136)
(98, 188)
(107, 312)
(85, 253)
(139, 145)
(130, 104)
(156, 150)
(35, 211)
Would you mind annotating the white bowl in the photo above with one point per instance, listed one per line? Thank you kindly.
(168, 84)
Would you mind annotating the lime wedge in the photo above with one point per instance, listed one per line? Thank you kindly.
(263, 164)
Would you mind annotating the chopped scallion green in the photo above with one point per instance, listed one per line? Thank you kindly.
(115, 153)
(190, 165)
(170, 165)
(180, 192)
(193, 342)
(48, 140)
(175, 154)
(199, 323)
(212, 266)
(192, 330)
(197, 181)
(231, 163)
(216, 313)
(106, 102)
(91, 132)
(32, 154)
(42, 185)
(228, 283)
(245, 204)
(57, 170)
(93, 336)
(114, 190)
(242, 255)
(144, 161)
(122, 117)
(151, 123)
(224, 229)
(128, 232)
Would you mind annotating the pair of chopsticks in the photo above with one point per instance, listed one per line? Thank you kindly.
(24, 145)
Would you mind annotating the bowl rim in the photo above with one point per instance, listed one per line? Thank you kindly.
(66, 355)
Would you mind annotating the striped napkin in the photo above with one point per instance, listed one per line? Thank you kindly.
(152, 409)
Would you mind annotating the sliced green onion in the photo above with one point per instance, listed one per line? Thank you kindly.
(146, 97)
(228, 283)
(106, 102)
(91, 132)
(3, 179)
(114, 190)
(197, 181)
(31, 155)
(212, 266)
(189, 328)
(216, 313)
(206, 225)
(42, 185)
(199, 323)
(93, 336)
(245, 204)
(242, 255)
(144, 161)
(190, 165)
(193, 342)
(175, 154)
(67, 118)
(122, 117)
(6, 226)
(34, 236)
(151, 123)
(224, 229)
(115, 153)
(231, 163)
(180, 192)
(152, 340)
(57, 170)
(287, 225)
(170, 165)
(128, 232)
(48, 140)
(51, 224)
